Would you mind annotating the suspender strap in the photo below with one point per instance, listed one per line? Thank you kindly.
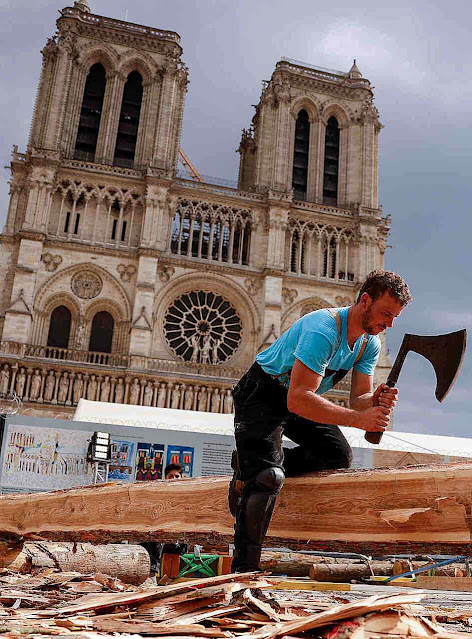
(337, 317)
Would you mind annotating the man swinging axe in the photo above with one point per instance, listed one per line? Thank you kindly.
(281, 394)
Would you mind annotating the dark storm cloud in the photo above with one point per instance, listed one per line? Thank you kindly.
(415, 54)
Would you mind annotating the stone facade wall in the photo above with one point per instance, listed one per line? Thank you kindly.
(150, 248)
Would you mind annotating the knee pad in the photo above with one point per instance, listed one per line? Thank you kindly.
(347, 461)
(270, 480)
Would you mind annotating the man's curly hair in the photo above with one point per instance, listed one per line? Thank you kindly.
(379, 281)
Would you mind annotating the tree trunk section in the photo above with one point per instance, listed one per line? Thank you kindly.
(340, 573)
(417, 509)
(129, 563)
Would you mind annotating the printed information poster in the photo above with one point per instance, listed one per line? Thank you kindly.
(122, 456)
(47, 454)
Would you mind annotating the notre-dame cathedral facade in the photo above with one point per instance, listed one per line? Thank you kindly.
(126, 281)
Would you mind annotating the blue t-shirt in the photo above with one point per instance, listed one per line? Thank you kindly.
(315, 341)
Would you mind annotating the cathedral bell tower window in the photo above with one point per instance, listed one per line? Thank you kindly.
(300, 156)
(331, 163)
(91, 113)
(129, 121)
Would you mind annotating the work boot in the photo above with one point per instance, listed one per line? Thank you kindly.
(235, 485)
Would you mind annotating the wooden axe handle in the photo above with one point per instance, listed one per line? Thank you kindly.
(374, 438)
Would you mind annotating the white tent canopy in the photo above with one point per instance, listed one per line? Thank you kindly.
(149, 417)
(218, 424)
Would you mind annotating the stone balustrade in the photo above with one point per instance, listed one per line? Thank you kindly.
(44, 375)
(116, 360)
(88, 357)
(66, 385)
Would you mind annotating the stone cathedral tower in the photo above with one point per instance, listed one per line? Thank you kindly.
(127, 281)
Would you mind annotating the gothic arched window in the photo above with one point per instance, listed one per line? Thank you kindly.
(224, 237)
(331, 163)
(329, 258)
(91, 114)
(59, 327)
(129, 120)
(300, 156)
(101, 335)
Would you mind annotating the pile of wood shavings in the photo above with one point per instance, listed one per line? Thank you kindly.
(61, 604)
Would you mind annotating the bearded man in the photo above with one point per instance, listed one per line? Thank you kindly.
(281, 394)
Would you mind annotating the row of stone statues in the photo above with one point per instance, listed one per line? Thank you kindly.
(62, 387)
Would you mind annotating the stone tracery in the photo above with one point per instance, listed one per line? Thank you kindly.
(212, 232)
(202, 327)
(320, 250)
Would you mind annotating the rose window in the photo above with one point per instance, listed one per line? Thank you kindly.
(202, 327)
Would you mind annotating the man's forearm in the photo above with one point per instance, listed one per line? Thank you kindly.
(362, 402)
(311, 406)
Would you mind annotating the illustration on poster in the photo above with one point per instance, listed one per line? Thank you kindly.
(122, 460)
(149, 461)
(46, 458)
(182, 455)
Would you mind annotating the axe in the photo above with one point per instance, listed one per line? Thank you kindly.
(445, 352)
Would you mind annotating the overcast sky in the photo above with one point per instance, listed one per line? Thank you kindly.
(416, 54)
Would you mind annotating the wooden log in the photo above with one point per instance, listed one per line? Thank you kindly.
(129, 563)
(401, 566)
(341, 573)
(418, 509)
(295, 564)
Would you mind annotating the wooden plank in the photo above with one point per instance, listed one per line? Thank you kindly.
(444, 583)
(413, 509)
(292, 584)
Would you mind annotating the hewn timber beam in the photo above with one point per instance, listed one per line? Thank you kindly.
(422, 509)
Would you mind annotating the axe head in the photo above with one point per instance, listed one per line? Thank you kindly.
(445, 352)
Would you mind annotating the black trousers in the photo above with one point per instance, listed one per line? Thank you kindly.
(261, 419)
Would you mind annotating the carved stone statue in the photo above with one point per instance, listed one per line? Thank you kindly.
(205, 353)
(215, 401)
(195, 342)
(49, 389)
(188, 400)
(63, 388)
(148, 392)
(4, 379)
(161, 395)
(119, 391)
(214, 351)
(35, 386)
(134, 392)
(92, 389)
(176, 393)
(105, 389)
(228, 403)
(202, 399)
(78, 388)
(79, 341)
(20, 382)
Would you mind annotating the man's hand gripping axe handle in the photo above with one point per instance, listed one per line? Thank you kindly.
(445, 352)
